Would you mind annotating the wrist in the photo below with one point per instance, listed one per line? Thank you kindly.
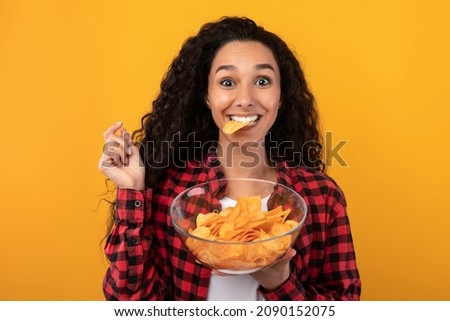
(137, 187)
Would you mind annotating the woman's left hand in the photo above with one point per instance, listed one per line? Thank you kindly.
(274, 276)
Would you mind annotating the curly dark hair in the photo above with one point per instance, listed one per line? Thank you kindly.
(180, 109)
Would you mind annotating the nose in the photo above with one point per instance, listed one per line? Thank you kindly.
(244, 97)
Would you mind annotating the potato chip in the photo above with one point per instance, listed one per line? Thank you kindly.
(245, 227)
(225, 228)
(205, 219)
(202, 232)
(241, 235)
(233, 126)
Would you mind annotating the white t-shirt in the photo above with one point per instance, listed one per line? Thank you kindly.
(240, 287)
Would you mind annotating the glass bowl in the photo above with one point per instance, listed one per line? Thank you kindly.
(239, 225)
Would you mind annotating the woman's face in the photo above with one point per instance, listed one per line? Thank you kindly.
(243, 84)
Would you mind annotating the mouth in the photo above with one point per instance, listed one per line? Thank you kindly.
(239, 122)
(251, 120)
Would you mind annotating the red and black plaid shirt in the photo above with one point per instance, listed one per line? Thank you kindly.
(149, 261)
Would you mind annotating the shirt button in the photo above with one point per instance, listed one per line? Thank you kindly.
(137, 204)
(133, 241)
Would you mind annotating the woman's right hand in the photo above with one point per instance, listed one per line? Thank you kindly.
(120, 160)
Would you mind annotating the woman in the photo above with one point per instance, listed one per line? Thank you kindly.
(232, 72)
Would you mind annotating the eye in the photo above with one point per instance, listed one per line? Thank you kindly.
(226, 83)
(263, 81)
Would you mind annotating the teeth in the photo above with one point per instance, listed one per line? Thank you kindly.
(247, 119)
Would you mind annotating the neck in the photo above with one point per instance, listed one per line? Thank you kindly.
(246, 161)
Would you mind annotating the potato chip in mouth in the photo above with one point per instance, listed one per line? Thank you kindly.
(233, 126)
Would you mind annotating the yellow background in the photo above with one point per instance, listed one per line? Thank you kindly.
(69, 69)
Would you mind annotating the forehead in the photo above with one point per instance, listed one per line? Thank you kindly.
(238, 52)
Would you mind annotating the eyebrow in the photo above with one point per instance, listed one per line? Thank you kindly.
(264, 66)
(257, 67)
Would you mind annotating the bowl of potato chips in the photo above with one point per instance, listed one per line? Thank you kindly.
(238, 225)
